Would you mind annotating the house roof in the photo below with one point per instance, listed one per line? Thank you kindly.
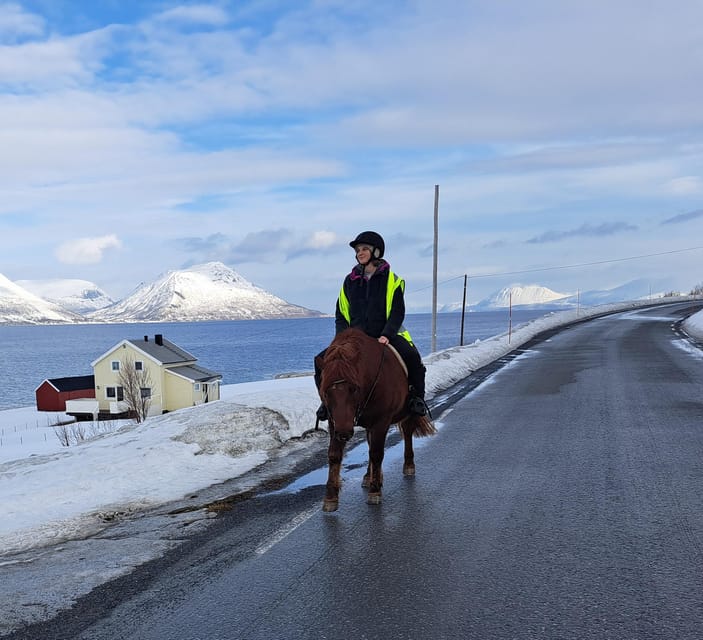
(72, 383)
(196, 373)
(166, 352)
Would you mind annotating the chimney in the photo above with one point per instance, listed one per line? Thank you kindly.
(146, 338)
(159, 339)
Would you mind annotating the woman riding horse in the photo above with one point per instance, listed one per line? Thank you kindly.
(372, 299)
(363, 383)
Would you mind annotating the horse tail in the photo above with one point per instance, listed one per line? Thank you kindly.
(418, 426)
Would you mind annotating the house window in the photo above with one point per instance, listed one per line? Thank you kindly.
(114, 393)
(115, 365)
(145, 392)
(138, 365)
(196, 386)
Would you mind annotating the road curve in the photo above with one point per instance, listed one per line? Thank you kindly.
(562, 498)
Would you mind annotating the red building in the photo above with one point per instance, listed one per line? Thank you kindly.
(52, 393)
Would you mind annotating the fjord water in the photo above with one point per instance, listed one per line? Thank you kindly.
(241, 350)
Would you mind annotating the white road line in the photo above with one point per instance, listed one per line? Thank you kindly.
(287, 529)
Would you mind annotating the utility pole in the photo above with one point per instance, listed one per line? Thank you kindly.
(434, 269)
(463, 312)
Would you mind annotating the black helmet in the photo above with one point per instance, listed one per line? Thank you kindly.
(372, 239)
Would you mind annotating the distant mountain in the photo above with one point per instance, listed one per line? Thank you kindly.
(19, 306)
(519, 295)
(210, 291)
(79, 296)
(538, 297)
(633, 290)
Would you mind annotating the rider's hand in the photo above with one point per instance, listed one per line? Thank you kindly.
(383, 340)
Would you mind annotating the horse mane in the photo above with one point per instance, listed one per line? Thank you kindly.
(343, 358)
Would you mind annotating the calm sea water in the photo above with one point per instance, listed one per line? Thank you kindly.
(242, 350)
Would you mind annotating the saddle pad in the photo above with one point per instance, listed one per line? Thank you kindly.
(397, 355)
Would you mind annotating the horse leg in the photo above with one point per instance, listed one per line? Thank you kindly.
(377, 440)
(334, 480)
(367, 476)
(409, 453)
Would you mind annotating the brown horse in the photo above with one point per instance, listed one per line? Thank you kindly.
(364, 383)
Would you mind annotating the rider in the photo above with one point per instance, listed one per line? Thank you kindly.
(372, 299)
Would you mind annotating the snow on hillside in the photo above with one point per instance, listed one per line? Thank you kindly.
(79, 296)
(19, 306)
(210, 291)
(517, 295)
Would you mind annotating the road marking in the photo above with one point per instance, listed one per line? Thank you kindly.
(286, 530)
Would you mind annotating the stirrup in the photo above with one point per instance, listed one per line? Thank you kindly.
(417, 406)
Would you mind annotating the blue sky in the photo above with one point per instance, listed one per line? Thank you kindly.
(566, 138)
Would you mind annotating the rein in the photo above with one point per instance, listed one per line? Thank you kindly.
(360, 410)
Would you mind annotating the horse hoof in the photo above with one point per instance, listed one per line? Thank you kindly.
(366, 482)
(408, 469)
(373, 498)
(330, 505)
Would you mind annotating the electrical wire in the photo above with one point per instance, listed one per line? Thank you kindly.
(566, 266)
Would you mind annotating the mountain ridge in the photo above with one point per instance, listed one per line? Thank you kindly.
(209, 291)
(78, 296)
(20, 306)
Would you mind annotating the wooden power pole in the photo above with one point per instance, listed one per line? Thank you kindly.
(434, 269)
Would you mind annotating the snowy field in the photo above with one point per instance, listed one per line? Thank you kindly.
(52, 493)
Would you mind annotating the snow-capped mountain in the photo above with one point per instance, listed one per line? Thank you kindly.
(19, 306)
(519, 295)
(536, 296)
(210, 291)
(79, 296)
(633, 290)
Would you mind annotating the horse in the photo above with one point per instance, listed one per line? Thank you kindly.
(365, 383)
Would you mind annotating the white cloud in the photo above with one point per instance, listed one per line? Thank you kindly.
(686, 185)
(203, 14)
(322, 239)
(16, 22)
(86, 250)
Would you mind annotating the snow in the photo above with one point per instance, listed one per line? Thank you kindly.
(522, 295)
(52, 493)
(19, 306)
(78, 296)
(210, 291)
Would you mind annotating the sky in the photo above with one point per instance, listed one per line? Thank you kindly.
(52, 494)
(566, 140)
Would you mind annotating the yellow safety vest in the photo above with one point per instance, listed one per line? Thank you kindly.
(393, 283)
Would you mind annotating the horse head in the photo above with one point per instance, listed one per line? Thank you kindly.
(342, 401)
(344, 380)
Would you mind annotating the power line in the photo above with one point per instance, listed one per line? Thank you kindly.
(566, 266)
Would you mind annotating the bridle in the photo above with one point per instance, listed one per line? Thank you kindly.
(361, 407)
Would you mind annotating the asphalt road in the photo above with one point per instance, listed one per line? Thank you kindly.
(562, 498)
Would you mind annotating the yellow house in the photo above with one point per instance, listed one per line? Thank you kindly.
(169, 376)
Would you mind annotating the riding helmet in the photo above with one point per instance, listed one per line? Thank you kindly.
(372, 239)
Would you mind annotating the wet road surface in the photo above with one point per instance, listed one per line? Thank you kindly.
(562, 498)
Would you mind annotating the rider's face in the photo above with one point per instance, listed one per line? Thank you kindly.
(363, 253)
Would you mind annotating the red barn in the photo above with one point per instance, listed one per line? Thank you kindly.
(52, 394)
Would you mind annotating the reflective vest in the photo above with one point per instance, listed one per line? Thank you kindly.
(394, 282)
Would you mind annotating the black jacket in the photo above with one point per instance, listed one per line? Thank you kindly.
(367, 303)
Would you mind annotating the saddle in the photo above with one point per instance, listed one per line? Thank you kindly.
(397, 355)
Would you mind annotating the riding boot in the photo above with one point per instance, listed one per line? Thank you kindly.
(322, 413)
(416, 404)
(416, 400)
